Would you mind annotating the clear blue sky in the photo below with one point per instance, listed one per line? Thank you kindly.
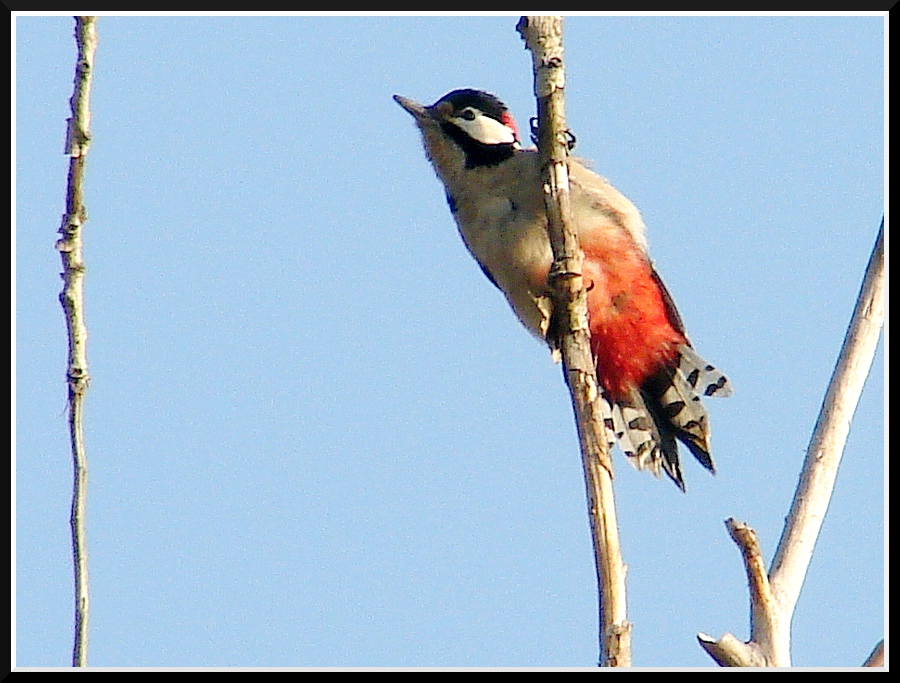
(317, 435)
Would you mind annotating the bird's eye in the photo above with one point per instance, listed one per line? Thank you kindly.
(468, 114)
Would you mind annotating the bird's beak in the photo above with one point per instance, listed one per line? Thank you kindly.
(413, 107)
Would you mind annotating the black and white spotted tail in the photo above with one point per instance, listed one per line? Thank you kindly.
(666, 409)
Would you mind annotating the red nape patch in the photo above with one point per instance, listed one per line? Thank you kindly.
(631, 334)
(507, 120)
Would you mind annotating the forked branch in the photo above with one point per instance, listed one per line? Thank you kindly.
(774, 596)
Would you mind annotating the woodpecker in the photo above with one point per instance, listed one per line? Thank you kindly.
(650, 377)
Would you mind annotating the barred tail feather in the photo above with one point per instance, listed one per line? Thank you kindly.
(627, 425)
(666, 409)
(702, 376)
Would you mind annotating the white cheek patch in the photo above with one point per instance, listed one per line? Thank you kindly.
(486, 130)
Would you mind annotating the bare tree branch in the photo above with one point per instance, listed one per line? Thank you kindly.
(877, 657)
(70, 247)
(728, 650)
(827, 444)
(773, 599)
(543, 37)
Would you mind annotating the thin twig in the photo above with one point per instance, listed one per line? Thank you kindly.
(70, 247)
(728, 650)
(543, 37)
(772, 607)
(760, 591)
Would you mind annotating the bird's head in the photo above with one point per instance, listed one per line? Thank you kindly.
(475, 121)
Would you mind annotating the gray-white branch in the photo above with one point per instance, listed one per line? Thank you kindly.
(70, 247)
(543, 37)
(772, 606)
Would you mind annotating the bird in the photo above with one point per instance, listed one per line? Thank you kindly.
(650, 377)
